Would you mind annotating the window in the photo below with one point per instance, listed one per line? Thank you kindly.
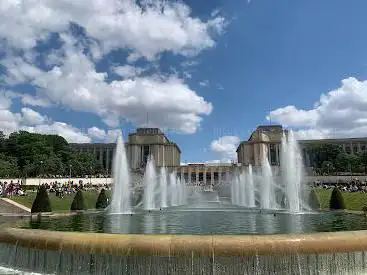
(146, 152)
(273, 155)
(201, 176)
(193, 177)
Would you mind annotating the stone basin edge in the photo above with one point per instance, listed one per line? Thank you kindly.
(186, 245)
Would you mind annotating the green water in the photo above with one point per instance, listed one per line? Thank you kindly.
(199, 221)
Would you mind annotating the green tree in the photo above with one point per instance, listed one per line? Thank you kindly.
(336, 200)
(78, 202)
(327, 167)
(37, 154)
(102, 200)
(313, 201)
(320, 153)
(42, 202)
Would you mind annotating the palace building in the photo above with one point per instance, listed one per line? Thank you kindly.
(265, 141)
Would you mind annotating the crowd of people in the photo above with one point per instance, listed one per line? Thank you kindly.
(60, 188)
(70, 187)
(352, 185)
(11, 189)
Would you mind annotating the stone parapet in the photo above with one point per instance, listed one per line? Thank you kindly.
(181, 245)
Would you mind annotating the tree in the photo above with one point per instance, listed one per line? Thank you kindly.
(327, 167)
(313, 201)
(42, 202)
(31, 155)
(320, 153)
(78, 202)
(102, 200)
(336, 200)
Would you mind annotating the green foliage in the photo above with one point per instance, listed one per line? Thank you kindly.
(42, 202)
(78, 202)
(31, 155)
(313, 201)
(336, 200)
(364, 209)
(320, 153)
(102, 201)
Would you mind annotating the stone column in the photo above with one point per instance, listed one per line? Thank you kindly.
(108, 168)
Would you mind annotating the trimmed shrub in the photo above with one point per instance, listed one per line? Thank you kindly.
(102, 200)
(364, 209)
(313, 201)
(42, 202)
(336, 200)
(78, 202)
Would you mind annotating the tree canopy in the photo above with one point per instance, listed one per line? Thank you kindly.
(30, 155)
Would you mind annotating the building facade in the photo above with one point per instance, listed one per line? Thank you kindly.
(102, 151)
(265, 141)
(140, 144)
(206, 173)
(151, 141)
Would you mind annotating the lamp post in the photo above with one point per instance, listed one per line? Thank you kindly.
(90, 175)
(41, 162)
(70, 171)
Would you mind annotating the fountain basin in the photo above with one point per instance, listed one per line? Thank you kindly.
(99, 253)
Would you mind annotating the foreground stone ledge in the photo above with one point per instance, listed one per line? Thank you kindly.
(186, 245)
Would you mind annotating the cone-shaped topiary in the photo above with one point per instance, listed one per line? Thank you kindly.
(336, 200)
(42, 202)
(313, 201)
(102, 201)
(78, 202)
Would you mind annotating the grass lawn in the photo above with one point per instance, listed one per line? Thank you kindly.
(58, 204)
(353, 201)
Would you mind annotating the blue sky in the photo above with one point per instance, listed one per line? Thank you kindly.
(208, 72)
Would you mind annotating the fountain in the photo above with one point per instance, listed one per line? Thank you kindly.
(250, 188)
(291, 168)
(163, 187)
(267, 200)
(150, 183)
(121, 192)
(137, 249)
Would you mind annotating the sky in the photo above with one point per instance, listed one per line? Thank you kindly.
(206, 72)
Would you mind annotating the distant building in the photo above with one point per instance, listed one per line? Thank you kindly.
(266, 141)
(141, 144)
(151, 141)
(102, 151)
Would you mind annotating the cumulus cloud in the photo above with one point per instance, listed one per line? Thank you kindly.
(75, 83)
(109, 136)
(32, 121)
(146, 29)
(66, 76)
(339, 113)
(225, 147)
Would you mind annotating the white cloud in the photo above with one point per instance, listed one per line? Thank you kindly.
(127, 71)
(339, 113)
(70, 78)
(204, 83)
(96, 133)
(31, 117)
(147, 30)
(32, 121)
(109, 136)
(225, 147)
(167, 101)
